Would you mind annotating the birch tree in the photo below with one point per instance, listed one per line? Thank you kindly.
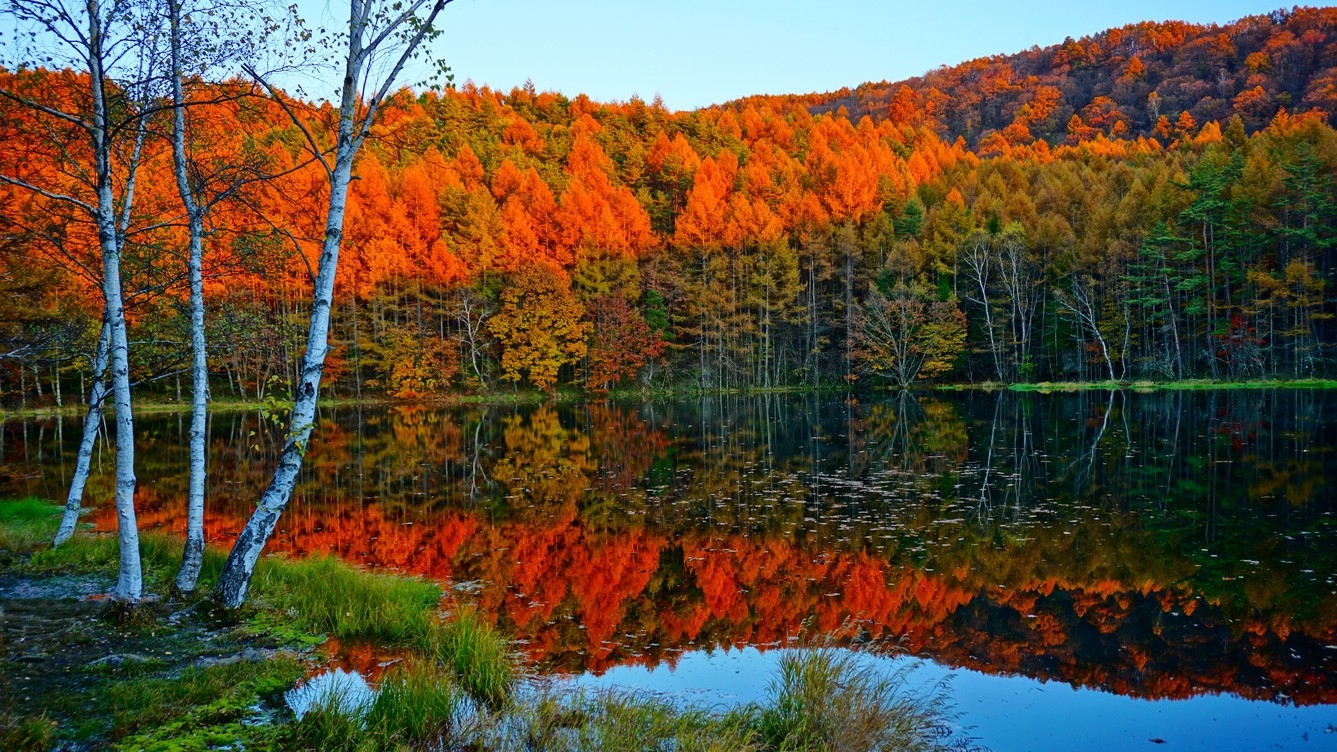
(1080, 301)
(382, 36)
(204, 35)
(1020, 277)
(978, 259)
(903, 333)
(74, 499)
(193, 556)
(114, 44)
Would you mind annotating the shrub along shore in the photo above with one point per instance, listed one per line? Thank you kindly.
(177, 673)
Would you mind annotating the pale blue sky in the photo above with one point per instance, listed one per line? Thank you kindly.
(698, 52)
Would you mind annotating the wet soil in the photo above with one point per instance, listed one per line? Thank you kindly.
(60, 641)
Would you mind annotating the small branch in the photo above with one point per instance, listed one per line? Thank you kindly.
(20, 183)
(316, 151)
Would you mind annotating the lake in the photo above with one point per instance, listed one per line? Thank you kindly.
(1131, 568)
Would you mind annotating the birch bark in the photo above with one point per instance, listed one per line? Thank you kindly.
(193, 556)
(74, 499)
(130, 579)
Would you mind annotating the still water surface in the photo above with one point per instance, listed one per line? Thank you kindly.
(1098, 569)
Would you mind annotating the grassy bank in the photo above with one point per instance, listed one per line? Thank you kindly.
(1143, 385)
(181, 675)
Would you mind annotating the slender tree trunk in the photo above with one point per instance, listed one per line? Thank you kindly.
(356, 115)
(130, 579)
(193, 557)
(74, 499)
(236, 576)
(357, 351)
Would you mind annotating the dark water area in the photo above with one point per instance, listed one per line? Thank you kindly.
(1146, 546)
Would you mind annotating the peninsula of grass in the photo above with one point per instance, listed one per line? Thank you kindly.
(1149, 386)
(180, 674)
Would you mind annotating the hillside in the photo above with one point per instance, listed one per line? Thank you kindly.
(752, 246)
(1120, 82)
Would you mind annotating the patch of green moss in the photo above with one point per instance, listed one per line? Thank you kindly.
(197, 708)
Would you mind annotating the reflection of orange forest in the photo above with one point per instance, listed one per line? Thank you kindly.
(579, 598)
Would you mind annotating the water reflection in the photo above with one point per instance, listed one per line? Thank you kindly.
(1155, 545)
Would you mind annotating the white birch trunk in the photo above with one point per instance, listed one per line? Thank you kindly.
(979, 258)
(92, 34)
(355, 119)
(193, 557)
(130, 580)
(236, 576)
(74, 500)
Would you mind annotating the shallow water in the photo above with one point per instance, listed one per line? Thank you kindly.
(1013, 712)
(1163, 553)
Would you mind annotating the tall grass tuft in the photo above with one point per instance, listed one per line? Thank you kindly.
(479, 656)
(327, 595)
(82, 553)
(327, 726)
(25, 734)
(831, 699)
(417, 707)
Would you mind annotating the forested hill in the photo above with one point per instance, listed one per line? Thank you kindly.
(1126, 82)
(526, 236)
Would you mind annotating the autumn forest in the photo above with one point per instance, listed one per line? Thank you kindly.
(1155, 202)
(517, 383)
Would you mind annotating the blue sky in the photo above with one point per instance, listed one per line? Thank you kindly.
(698, 52)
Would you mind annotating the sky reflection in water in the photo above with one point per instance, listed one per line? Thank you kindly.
(1014, 712)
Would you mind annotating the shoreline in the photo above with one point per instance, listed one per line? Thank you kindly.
(492, 399)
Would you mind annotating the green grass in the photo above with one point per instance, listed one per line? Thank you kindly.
(159, 556)
(1260, 384)
(1185, 385)
(479, 657)
(26, 733)
(829, 699)
(612, 721)
(1065, 386)
(417, 705)
(326, 726)
(28, 523)
(329, 596)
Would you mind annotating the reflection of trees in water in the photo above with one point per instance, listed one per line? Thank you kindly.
(1112, 539)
